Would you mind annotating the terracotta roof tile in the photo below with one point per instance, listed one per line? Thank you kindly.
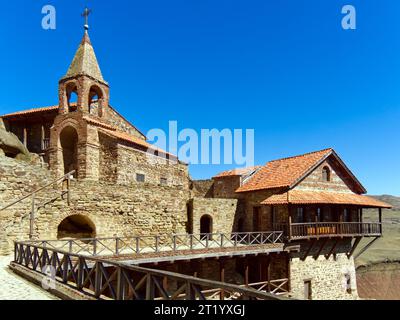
(31, 111)
(237, 172)
(319, 197)
(99, 123)
(132, 139)
(283, 172)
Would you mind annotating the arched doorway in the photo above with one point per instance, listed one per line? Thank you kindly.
(69, 141)
(206, 226)
(76, 227)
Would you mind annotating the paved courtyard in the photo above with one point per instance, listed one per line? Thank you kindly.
(13, 287)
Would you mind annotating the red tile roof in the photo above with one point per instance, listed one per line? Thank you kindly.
(284, 172)
(237, 172)
(31, 111)
(301, 197)
(98, 123)
(135, 140)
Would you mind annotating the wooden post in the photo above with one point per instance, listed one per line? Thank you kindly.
(269, 273)
(222, 278)
(246, 272)
(290, 223)
(68, 190)
(42, 137)
(117, 246)
(32, 218)
(149, 288)
(380, 220)
(25, 136)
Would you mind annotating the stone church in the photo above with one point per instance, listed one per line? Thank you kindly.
(120, 185)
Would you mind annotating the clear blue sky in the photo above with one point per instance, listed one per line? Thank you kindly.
(285, 68)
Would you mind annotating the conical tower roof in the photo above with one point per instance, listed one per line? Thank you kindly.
(85, 61)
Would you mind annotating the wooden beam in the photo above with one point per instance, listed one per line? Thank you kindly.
(246, 272)
(365, 248)
(323, 243)
(308, 250)
(43, 136)
(25, 136)
(358, 239)
(268, 273)
(290, 223)
(327, 256)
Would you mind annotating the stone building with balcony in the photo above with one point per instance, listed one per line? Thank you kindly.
(318, 203)
(289, 227)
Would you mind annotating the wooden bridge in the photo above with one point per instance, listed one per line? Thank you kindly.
(167, 245)
(104, 278)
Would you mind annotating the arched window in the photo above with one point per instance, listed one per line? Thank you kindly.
(72, 96)
(326, 174)
(96, 100)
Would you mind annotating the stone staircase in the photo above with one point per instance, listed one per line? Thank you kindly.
(18, 181)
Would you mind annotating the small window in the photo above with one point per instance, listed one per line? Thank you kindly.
(326, 174)
(140, 177)
(307, 290)
(163, 181)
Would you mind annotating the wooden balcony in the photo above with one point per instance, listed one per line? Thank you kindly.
(299, 231)
(45, 144)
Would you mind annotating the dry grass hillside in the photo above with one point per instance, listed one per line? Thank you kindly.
(387, 248)
(378, 269)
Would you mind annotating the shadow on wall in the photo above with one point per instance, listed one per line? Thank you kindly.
(76, 227)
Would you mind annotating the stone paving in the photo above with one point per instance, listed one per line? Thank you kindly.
(13, 287)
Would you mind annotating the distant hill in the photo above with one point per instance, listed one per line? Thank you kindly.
(393, 200)
(386, 248)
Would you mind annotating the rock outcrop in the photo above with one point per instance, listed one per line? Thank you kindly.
(11, 145)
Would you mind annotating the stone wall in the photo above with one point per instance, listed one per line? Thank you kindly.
(222, 211)
(132, 162)
(203, 188)
(338, 181)
(328, 277)
(17, 179)
(225, 187)
(139, 209)
(252, 203)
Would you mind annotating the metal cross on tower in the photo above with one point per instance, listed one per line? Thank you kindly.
(85, 14)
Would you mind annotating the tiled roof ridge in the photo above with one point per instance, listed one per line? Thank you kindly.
(301, 155)
(32, 110)
(237, 171)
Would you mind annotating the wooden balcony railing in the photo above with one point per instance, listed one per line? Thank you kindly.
(161, 243)
(45, 144)
(330, 229)
(113, 280)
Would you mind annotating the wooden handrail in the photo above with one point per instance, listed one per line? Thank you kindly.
(161, 242)
(318, 229)
(80, 272)
(68, 175)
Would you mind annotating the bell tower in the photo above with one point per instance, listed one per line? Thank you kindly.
(85, 80)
